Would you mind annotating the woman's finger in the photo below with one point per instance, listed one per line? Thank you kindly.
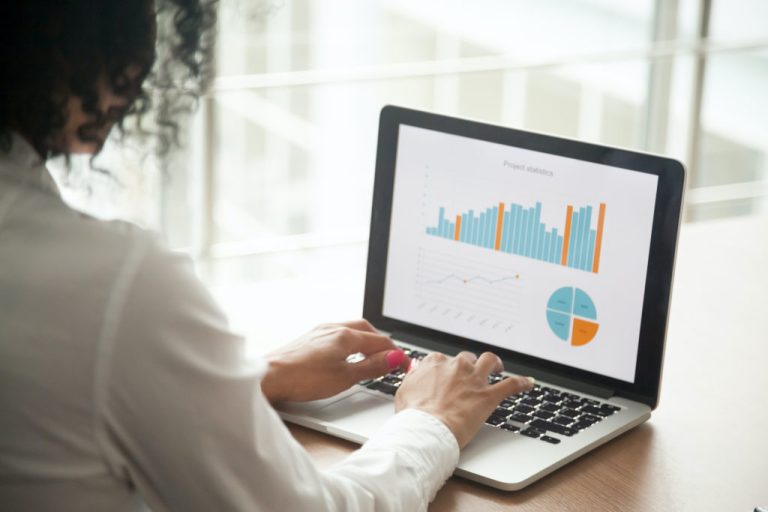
(378, 364)
(469, 356)
(511, 386)
(489, 362)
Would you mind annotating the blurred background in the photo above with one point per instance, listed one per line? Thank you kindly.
(271, 194)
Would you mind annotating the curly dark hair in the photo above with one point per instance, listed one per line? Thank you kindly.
(51, 50)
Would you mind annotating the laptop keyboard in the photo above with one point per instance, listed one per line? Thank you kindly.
(543, 413)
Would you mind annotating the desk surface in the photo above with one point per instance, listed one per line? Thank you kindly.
(706, 446)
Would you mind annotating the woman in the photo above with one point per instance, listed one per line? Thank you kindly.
(120, 382)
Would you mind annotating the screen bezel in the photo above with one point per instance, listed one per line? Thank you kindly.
(666, 220)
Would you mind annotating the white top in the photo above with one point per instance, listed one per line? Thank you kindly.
(121, 384)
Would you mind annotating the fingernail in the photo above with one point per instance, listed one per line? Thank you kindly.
(395, 358)
(531, 381)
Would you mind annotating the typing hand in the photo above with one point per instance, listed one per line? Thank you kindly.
(456, 390)
(315, 366)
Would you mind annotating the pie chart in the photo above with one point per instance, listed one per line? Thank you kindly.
(572, 315)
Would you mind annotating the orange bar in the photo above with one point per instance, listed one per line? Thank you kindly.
(499, 223)
(567, 234)
(458, 227)
(599, 237)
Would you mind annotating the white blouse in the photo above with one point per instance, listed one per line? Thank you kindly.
(122, 387)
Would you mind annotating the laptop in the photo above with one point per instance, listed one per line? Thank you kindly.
(555, 254)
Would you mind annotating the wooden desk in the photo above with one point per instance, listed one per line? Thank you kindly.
(689, 456)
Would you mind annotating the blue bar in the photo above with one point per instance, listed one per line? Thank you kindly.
(587, 225)
(470, 226)
(529, 233)
(523, 231)
(559, 251)
(591, 255)
(481, 230)
(540, 250)
(476, 225)
(572, 238)
(467, 228)
(490, 240)
(577, 256)
(517, 228)
(489, 233)
(527, 218)
(576, 229)
(504, 231)
(509, 229)
(549, 242)
(463, 230)
(535, 235)
(553, 254)
(440, 220)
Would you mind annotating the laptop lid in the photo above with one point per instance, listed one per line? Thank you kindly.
(556, 254)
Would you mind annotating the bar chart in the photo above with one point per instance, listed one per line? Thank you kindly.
(519, 230)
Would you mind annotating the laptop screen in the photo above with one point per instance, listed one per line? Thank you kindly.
(527, 251)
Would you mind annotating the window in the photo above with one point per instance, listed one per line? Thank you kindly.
(273, 192)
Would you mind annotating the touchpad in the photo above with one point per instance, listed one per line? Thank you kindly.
(361, 413)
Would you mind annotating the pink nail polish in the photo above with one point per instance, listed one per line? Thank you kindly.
(395, 358)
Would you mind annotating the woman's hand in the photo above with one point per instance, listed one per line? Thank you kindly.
(315, 366)
(456, 390)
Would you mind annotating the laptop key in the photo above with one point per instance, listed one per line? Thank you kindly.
(553, 427)
(590, 419)
(531, 402)
(549, 439)
(545, 415)
(531, 433)
(570, 413)
(510, 427)
(581, 425)
(555, 399)
(591, 409)
(524, 409)
(549, 407)
(494, 421)
(520, 417)
(563, 420)
(572, 404)
(383, 387)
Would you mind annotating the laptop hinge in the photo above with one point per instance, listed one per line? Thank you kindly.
(509, 365)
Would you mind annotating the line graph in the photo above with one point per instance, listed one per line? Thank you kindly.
(466, 280)
(467, 290)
